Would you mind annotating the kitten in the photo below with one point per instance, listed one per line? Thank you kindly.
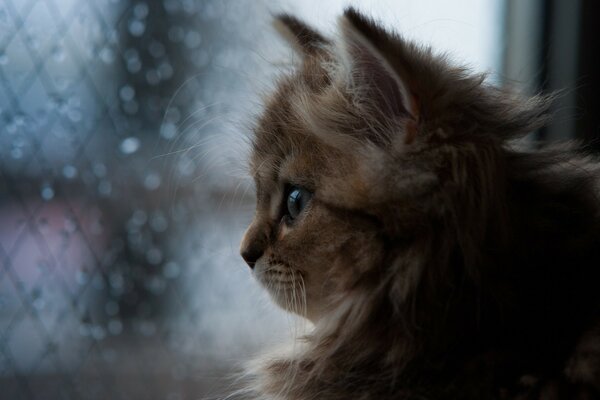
(435, 259)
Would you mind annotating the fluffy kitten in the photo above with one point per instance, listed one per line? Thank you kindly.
(435, 259)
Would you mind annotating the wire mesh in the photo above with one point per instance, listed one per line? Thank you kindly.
(115, 218)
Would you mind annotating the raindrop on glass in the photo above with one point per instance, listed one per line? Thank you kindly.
(105, 188)
(116, 281)
(134, 65)
(156, 49)
(107, 55)
(139, 217)
(136, 27)
(165, 70)
(69, 171)
(152, 181)
(98, 332)
(192, 39)
(168, 130)
(47, 192)
(158, 222)
(156, 285)
(70, 224)
(99, 170)
(154, 256)
(129, 145)
(140, 11)
(127, 93)
(152, 77)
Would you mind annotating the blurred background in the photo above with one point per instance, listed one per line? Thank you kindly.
(123, 190)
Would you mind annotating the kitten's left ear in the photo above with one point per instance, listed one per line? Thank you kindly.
(370, 72)
(306, 40)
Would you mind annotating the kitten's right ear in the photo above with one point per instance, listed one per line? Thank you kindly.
(303, 38)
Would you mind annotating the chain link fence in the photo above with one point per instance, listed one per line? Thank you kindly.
(121, 202)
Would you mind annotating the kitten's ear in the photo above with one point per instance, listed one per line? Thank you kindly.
(370, 73)
(303, 38)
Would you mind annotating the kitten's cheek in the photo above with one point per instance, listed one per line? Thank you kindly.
(283, 231)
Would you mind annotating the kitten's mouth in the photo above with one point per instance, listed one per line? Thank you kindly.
(277, 276)
(284, 284)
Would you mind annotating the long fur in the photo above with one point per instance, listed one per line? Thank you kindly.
(454, 265)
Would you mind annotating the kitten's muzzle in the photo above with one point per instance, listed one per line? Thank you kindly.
(254, 243)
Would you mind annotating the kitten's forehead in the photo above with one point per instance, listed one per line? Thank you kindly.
(280, 131)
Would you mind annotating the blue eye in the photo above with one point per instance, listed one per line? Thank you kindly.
(297, 199)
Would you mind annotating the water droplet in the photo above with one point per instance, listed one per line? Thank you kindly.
(158, 222)
(69, 171)
(99, 170)
(70, 224)
(168, 131)
(129, 145)
(185, 166)
(47, 192)
(140, 11)
(152, 181)
(165, 70)
(156, 285)
(137, 27)
(98, 332)
(127, 93)
(105, 188)
(192, 39)
(107, 55)
(152, 77)
(116, 281)
(134, 65)
(156, 49)
(154, 256)
(139, 218)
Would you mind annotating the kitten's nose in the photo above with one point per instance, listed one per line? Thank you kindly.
(251, 254)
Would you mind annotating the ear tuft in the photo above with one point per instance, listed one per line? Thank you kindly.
(305, 39)
(370, 71)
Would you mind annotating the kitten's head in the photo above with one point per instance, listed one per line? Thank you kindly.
(373, 144)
